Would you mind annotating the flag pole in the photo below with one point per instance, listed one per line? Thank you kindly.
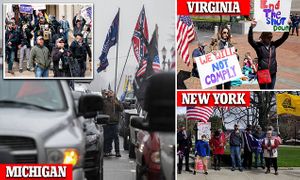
(116, 65)
(124, 67)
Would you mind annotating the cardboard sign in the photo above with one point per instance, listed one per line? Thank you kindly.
(25, 8)
(203, 128)
(218, 68)
(39, 6)
(272, 15)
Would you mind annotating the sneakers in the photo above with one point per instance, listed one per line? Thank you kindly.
(107, 154)
(232, 169)
(206, 173)
(118, 155)
(241, 169)
(276, 173)
(267, 172)
(194, 172)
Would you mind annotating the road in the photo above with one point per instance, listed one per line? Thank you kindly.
(254, 174)
(119, 168)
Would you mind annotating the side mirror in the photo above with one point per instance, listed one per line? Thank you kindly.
(102, 119)
(89, 105)
(139, 123)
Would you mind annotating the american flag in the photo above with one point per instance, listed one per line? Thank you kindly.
(199, 113)
(143, 68)
(140, 35)
(185, 35)
(156, 64)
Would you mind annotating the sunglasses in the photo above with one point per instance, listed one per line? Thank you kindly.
(225, 32)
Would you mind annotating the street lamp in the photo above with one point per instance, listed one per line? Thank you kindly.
(164, 54)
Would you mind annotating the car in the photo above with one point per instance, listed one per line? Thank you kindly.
(93, 159)
(39, 123)
(159, 103)
(147, 155)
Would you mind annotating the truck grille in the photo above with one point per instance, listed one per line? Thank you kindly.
(23, 149)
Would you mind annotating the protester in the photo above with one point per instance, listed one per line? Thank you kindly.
(10, 45)
(40, 56)
(236, 143)
(65, 25)
(112, 107)
(184, 141)
(270, 145)
(199, 51)
(202, 152)
(295, 24)
(259, 135)
(249, 67)
(87, 35)
(217, 144)
(224, 37)
(60, 58)
(78, 24)
(248, 146)
(266, 53)
(80, 50)
(58, 35)
(25, 47)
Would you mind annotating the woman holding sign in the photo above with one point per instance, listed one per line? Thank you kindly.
(266, 53)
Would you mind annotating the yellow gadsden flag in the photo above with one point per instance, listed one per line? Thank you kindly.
(288, 104)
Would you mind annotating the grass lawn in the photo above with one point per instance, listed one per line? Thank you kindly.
(287, 156)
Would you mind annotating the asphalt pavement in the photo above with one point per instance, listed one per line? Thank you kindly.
(254, 174)
(119, 168)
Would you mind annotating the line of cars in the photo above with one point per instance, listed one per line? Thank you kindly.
(149, 130)
(44, 122)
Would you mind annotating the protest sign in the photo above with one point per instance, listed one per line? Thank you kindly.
(218, 68)
(25, 8)
(272, 15)
(39, 6)
(203, 128)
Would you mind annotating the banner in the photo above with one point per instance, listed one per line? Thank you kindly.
(272, 15)
(288, 104)
(24, 8)
(203, 128)
(218, 68)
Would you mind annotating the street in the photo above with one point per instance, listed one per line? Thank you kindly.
(119, 168)
(227, 174)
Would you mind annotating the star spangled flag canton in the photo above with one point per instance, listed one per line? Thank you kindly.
(141, 29)
(199, 113)
(156, 64)
(185, 35)
(111, 40)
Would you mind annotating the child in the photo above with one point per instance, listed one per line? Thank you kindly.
(202, 151)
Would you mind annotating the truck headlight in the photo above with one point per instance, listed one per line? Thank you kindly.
(155, 157)
(63, 156)
(71, 156)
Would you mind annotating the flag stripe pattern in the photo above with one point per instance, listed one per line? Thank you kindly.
(185, 35)
(199, 113)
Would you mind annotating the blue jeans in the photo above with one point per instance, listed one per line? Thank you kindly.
(235, 154)
(40, 72)
(11, 57)
(259, 154)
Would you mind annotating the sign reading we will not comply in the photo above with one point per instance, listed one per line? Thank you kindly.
(218, 68)
(272, 15)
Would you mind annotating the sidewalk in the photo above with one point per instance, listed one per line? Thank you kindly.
(254, 174)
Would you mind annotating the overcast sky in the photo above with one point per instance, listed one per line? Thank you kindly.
(158, 12)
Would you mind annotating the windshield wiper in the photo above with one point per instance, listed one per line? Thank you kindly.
(5, 102)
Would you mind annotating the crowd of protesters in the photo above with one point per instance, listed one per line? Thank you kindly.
(243, 145)
(43, 42)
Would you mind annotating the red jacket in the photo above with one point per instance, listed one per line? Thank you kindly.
(217, 144)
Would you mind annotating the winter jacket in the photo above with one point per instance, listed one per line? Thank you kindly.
(273, 144)
(263, 53)
(25, 37)
(11, 36)
(217, 144)
(109, 110)
(248, 141)
(40, 56)
(236, 139)
(56, 56)
(80, 52)
(202, 148)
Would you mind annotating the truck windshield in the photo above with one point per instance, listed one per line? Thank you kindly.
(42, 95)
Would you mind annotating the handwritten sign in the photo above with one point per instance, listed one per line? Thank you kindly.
(24, 8)
(272, 15)
(218, 68)
(203, 128)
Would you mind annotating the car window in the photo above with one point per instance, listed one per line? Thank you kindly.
(45, 94)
